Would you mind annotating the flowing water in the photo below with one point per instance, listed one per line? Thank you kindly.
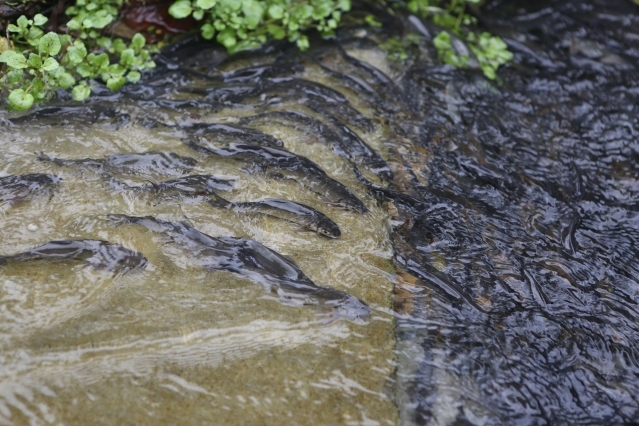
(488, 278)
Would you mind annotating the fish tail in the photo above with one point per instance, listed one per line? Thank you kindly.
(216, 201)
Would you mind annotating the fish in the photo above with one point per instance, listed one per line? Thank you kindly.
(164, 163)
(307, 217)
(285, 87)
(346, 143)
(253, 261)
(279, 163)
(16, 188)
(193, 185)
(215, 132)
(65, 115)
(97, 253)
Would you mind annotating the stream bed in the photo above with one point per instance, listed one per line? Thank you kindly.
(443, 249)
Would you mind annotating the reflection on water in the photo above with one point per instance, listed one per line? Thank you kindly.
(498, 256)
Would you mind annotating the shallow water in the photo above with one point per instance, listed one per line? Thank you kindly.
(499, 263)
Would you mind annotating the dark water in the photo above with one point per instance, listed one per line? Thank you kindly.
(530, 214)
(513, 204)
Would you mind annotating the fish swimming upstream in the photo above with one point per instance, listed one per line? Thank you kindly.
(162, 163)
(254, 261)
(96, 253)
(307, 217)
(16, 188)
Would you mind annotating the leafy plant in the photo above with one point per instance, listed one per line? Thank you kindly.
(490, 51)
(244, 24)
(36, 64)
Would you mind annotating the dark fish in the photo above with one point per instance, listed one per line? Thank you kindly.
(65, 115)
(194, 185)
(255, 262)
(289, 88)
(16, 188)
(346, 143)
(281, 164)
(223, 132)
(303, 215)
(96, 253)
(164, 163)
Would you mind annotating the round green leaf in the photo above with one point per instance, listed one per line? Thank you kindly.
(127, 57)
(23, 22)
(73, 25)
(253, 12)
(50, 64)
(19, 100)
(198, 14)
(65, 80)
(138, 41)
(133, 76)
(180, 9)
(208, 31)
(276, 11)
(227, 38)
(40, 19)
(49, 44)
(114, 83)
(76, 53)
(34, 61)
(15, 76)
(205, 4)
(80, 92)
(13, 59)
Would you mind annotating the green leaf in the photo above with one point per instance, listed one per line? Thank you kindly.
(76, 53)
(370, 19)
(100, 62)
(40, 19)
(80, 92)
(208, 31)
(127, 57)
(114, 83)
(138, 42)
(34, 35)
(133, 76)
(65, 80)
(119, 45)
(205, 4)
(15, 76)
(13, 28)
(19, 100)
(180, 9)
(13, 59)
(345, 5)
(49, 44)
(116, 70)
(276, 11)
(34, 61)
(23, 22)
(73, 25)
(50, 64)
(227, 38)
(253, 11)
(276, 31)
(85, 71)
(198, 15)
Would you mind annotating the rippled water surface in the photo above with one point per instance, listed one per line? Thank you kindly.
(498, 256)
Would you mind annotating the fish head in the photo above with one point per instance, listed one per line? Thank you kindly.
(328, 229)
